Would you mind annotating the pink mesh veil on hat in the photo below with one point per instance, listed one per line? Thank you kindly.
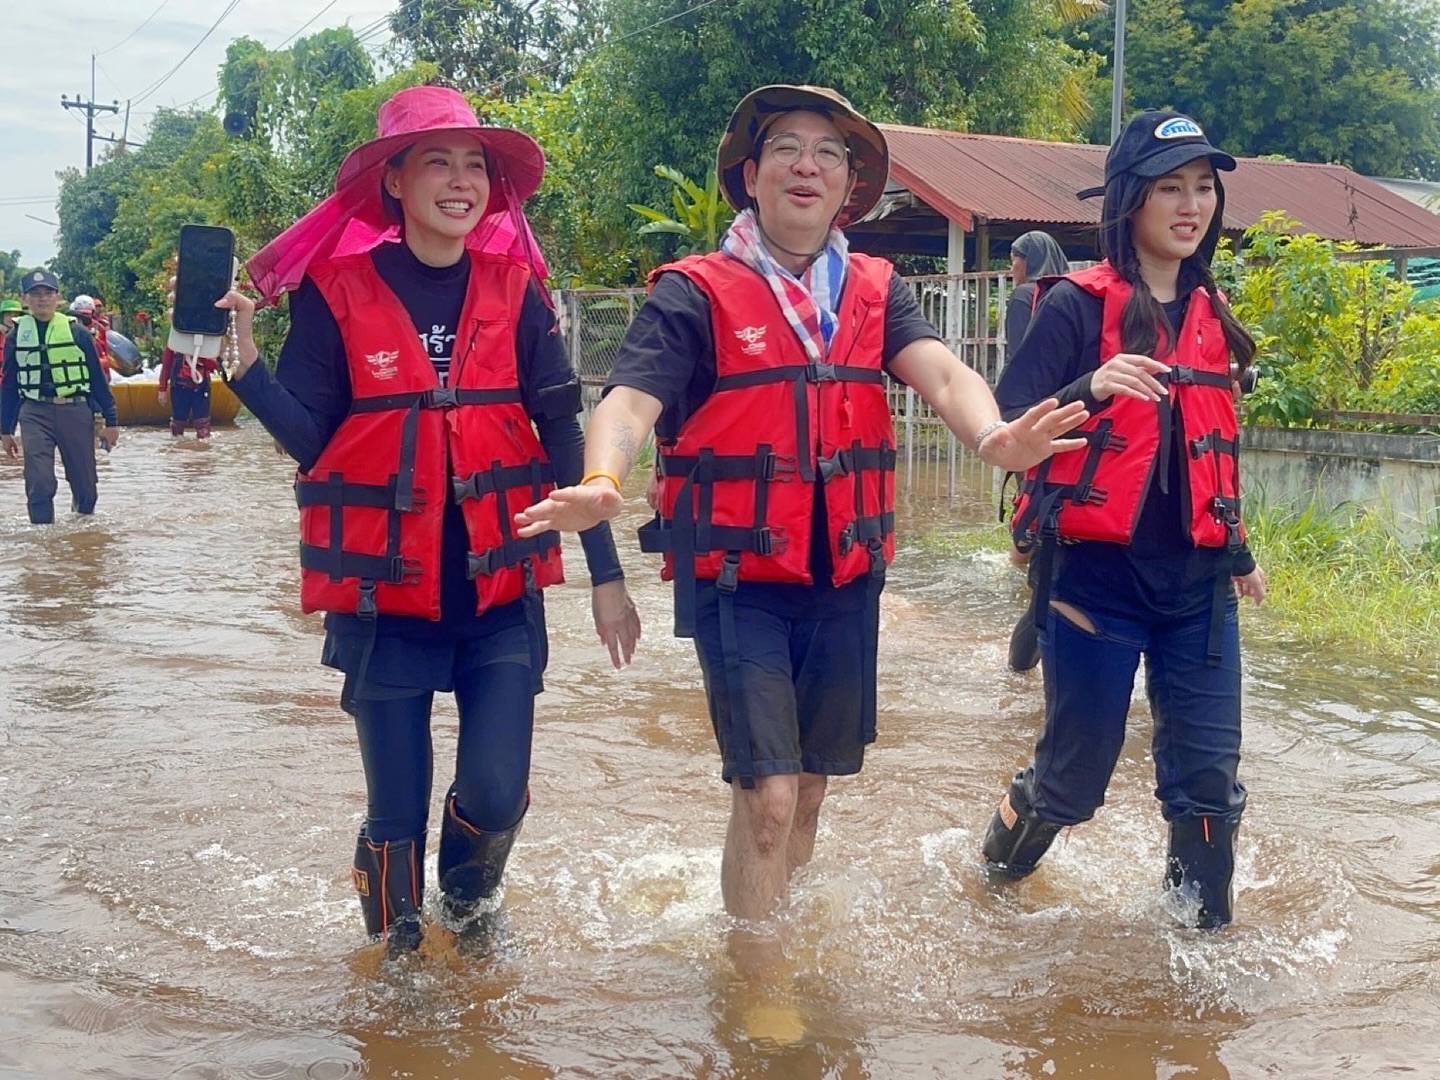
(353, 218)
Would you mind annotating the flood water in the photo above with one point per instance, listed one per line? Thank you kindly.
(179, 795)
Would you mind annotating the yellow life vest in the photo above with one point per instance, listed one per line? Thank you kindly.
(69, 370)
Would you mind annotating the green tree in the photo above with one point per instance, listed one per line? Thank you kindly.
(700, 215)
(662, 91)
(10, 273)
(499, 48)
(1313, 80)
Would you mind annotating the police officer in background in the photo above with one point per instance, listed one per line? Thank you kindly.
(52, 385)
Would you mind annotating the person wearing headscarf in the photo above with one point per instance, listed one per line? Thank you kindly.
(1138, 546)
(1033, 255)
(427, 397)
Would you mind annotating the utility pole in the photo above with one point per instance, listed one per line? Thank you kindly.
(90, 107)
(1117, 72)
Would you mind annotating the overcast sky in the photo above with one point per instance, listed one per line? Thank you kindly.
(51, 57)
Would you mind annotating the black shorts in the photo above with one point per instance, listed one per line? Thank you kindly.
(809, 686)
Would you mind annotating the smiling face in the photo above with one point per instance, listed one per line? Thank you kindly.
(442, 185)
(798, 201)
(1176, 214)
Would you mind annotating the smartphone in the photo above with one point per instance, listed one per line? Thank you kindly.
(205, 273)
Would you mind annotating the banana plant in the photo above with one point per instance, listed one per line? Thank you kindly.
(700, 216)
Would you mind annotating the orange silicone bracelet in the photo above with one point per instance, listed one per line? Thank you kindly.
(601, 474)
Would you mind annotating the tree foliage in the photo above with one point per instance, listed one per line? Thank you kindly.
(662, 91)
(1333, 333)
(1313, 80)
(498, 48)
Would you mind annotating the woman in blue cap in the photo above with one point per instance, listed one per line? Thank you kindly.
(1137, 542)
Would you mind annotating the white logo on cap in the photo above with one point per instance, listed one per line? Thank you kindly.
(1179, 128)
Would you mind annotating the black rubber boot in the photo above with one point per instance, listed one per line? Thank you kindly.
(472, 861)
(389, 876)
(1202, 863)
(41, 513)
(1017, 837)
(1024, 643)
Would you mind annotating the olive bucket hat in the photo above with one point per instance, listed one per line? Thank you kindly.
(869, 156)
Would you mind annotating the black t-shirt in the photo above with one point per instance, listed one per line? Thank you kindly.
(669, 353)
(1160, 570)
(306, 400)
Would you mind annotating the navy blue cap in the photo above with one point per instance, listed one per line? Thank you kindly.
(39, 279)
(1156, 143)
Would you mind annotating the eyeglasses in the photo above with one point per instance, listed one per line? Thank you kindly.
(828, 153)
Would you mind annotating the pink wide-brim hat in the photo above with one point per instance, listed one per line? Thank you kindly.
(353, 219)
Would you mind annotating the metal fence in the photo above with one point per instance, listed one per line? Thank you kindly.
(968, 311)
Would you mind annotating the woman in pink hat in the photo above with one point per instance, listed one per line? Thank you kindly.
(427, 397)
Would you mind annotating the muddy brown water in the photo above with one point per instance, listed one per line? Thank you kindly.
(179, 795)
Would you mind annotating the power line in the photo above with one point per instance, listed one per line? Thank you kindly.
(312, 18)
(137, 29)
(149, 90)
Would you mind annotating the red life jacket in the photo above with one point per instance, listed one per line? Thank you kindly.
(1097, 493)
(737, 485)
(372, 508)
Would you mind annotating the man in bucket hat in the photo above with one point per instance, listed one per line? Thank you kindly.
(52, 386)
(760, 367)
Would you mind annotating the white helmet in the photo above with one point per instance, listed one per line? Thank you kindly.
(82, 305)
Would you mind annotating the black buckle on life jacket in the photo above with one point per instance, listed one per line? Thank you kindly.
(729, 577)
(527, 570)
(365, 606)
(1107, 439)
(847, 538)
(820, 372)
(1089, 493)
(441, 397)
(877, 556)
(765, 541)
(837, 464)
(404, 571)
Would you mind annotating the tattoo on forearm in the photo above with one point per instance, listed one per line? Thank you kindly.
(624, 440)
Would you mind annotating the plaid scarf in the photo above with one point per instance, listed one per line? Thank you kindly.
(809, 300)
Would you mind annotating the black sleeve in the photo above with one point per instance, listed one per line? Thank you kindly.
(548, 384)
(304, 401)
(1058, 354)
(9, 389)
(102, 400)
(904, 321)
(669, 350)
(1017, 318)
(551, 393)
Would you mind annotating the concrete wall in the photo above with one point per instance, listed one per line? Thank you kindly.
(1395, 474)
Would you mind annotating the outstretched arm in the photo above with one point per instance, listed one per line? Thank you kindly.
(963, 400)
(618, 428)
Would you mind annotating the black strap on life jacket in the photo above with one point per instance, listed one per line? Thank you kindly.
(512, 550)
(856, 460)
(437, 397)
(1037, 527)
(1045, 498)
(689, 534)
(1226, 511)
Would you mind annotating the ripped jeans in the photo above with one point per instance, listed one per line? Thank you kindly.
(1089, 679)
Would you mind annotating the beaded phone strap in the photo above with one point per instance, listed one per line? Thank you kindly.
(228, 362)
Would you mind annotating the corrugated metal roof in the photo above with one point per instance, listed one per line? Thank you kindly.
(971, 178)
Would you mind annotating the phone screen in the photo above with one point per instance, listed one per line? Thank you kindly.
(206, 269)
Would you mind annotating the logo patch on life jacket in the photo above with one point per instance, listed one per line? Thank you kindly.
(361, 880)
(754, 339)
(382, 364)
(1179, 128)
